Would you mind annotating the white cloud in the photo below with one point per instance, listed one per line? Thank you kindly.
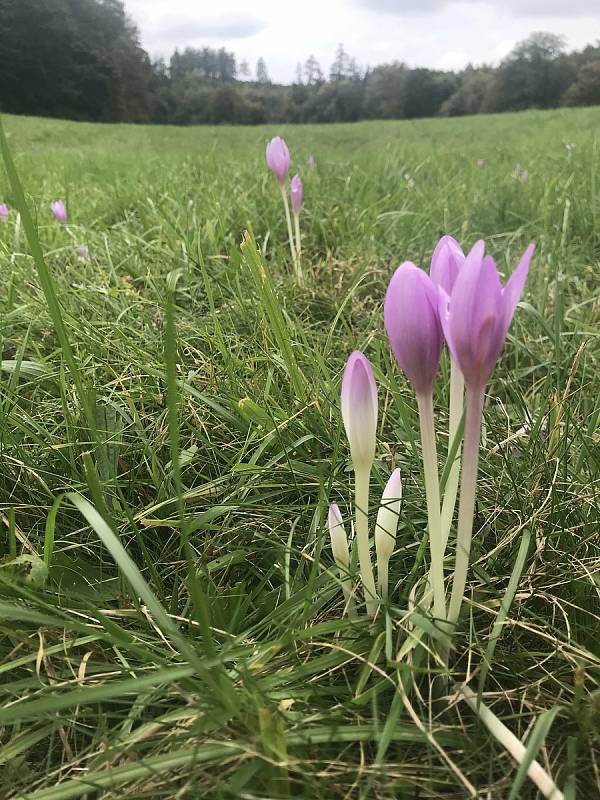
(190, 30)
(437, 33)
(521, 8)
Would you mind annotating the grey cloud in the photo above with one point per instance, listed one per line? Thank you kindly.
(519, 8)
(404, 6)
(190, 29)
(554, 8)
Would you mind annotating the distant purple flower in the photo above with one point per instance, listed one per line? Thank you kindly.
(296, 194)
(4, 212)
(310, 162)
(477, 315)
(278, 158)
(413, 326)
(359, 408)
(481, 163)
(520, 174)
(83, 252)
(59, 210)
(446, 262)
(570, 147)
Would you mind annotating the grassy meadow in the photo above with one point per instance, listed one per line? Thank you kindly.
(171, 438)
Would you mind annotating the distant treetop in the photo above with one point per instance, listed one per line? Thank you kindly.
(82, 59)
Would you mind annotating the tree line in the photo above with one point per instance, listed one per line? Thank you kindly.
(82, 59)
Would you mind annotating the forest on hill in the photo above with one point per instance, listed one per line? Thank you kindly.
(82, 59)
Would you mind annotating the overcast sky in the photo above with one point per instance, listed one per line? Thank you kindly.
(445, 34)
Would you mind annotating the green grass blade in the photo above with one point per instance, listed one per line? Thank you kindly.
(46, 281)
(505, 605)
(535, 741)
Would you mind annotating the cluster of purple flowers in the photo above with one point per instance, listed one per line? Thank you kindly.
(278, 161)
(460, 302)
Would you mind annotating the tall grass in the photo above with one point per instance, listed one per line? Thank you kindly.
(169, 449)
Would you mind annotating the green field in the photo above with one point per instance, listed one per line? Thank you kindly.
(224, 668)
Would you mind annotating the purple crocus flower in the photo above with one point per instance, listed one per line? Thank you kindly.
(359, 413)
(446, 261)
(296, 194)
(83, 252)
(359, 409)
(481, 163)
(59, 210)
(310, 162)
(477, 314)
(4, 212)
(413, 327)
(475, 319)
(278, 158)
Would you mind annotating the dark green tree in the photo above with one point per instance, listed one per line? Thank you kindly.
(585, 91)
(73, 58)
(262, 76)
(534, 75)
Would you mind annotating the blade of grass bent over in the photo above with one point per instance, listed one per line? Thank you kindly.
(46, 281)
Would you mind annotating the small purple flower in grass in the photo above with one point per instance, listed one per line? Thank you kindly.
(477, 314)
(520, 174)
(4, 212)
(446, 261)
(59, 210)
(83, 252)
(359, 413)
(476, 318)
(413, 327)
(278, 158)
(481, 163)
(310, 162)
(296, 194)
(359, 408)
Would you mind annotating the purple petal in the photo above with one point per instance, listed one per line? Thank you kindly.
(413, 326)
(359, 407)
(278, 158)
(443, 307)
(476, 316)
(511, 294)
(446, 261)
(296, 194)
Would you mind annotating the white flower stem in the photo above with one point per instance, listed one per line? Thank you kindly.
(349, 607)
(515, 747)
(432, 491)
(457, 386)
(298, 242)
(288, 220)
(361, 507)
(466, 507)
(383, 566)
